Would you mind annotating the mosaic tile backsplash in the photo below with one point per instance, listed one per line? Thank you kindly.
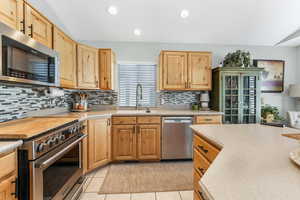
(17, 100)
(180, 97)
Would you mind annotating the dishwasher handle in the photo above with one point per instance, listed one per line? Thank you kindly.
(168, 121)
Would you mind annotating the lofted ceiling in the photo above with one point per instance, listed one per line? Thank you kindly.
(238, 22)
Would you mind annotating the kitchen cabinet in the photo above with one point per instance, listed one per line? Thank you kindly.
(124, 142)
(236, 92)
(66, 48)
(208, 119)
(148, 142)
(8, 176)
(204, 154)
(136, 138)
(199, 70)
(107, 69)
(185, 70)
(99, 143)
(174, 70)
(37, 26)
(12, 13)
(87, 67)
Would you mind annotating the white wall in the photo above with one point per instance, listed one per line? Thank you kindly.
(148, 52)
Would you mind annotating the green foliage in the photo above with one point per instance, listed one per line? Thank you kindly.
(268, 109)
(238, 58)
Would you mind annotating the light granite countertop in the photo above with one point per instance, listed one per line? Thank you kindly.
(253, 164)
(109, 113)
(7, 146)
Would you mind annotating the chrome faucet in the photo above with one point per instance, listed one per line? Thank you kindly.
(138, 95)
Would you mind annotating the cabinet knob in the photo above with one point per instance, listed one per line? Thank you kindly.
(203, 149)
(31, 30)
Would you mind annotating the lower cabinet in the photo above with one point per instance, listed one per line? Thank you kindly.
(124, 142)
(98, 143)
(148, 142)
(7, 189)
(137, 140)
(8, 176)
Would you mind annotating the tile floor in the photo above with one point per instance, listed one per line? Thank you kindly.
(96, 178)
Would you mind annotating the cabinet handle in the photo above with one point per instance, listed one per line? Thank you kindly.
(16, 193)
(22, 22)
(208, 120)
(31, 30)
(203, 149)
(202, 170)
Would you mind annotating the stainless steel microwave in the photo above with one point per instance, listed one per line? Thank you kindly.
(24, 60)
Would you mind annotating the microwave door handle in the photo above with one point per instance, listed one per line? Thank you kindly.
(57, 156)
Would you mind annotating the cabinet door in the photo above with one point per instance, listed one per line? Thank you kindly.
(124, 142)
(174, 71)
(98, 142)
(199, 71)
(107, 64)
(66, 48)
(7, 189)
(231, 98)
(11, 13)
(38, 27)
(88, 68)
(250, 98)
(148, 142)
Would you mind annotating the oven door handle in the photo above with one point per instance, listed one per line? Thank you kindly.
(54, 158)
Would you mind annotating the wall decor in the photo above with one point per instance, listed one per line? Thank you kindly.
(272, 76)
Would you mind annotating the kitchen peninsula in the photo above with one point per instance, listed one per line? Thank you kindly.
(253, 163)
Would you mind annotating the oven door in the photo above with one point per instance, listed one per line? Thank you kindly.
(55, 174)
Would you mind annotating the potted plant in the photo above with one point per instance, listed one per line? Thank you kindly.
(238, 58)
(270, 113)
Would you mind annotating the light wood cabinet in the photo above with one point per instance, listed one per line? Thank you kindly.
(148, 142)
(99, 143)
(208, 119)
(11, 13)
(174, 70)
(124, 142)
(37, 26)
(107, 69)
(66, 48)
(87, 67)
(8, 176)
(199, 70)
(136, 138)
(185, 70)
(7, 189)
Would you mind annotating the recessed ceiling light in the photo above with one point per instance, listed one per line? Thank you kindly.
(184, 13)
(113, 10)
(137, 32)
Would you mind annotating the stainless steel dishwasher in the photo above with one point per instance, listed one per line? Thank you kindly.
(177, 138)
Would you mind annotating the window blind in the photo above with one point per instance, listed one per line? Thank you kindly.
(132, 74)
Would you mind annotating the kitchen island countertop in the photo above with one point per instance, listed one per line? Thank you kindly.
(253, 164)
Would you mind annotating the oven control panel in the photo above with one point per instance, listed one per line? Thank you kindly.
(54, 139)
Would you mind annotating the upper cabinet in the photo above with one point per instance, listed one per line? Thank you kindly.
(66, 48)
(174, 70)
(11, 13)
(107, 65)
(183, 70)
(37, 26)
(87, 67)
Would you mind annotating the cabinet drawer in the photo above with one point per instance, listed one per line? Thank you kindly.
(208, 150)
(209, 119)
(8, 164)
(124, 120)
(201, 164)
(148, 120)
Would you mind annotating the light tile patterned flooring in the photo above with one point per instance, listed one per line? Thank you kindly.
(96, 178)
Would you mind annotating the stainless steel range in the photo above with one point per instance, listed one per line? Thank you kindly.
(50, 164)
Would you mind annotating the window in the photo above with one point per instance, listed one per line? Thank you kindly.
(132, 74)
